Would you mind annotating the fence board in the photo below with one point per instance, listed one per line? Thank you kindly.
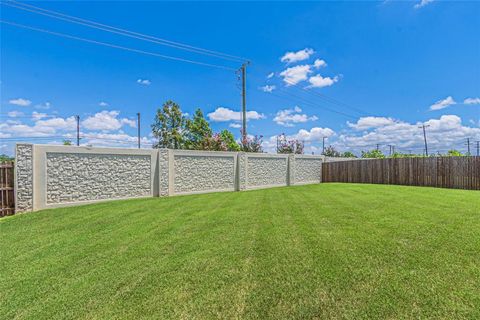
(7, 201)
(443, 172)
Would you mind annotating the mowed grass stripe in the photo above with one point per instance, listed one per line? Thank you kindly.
(345, 251)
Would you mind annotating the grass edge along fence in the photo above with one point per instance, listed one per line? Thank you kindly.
(7, 195)
(442, 172)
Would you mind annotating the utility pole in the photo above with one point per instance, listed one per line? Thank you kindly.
(244, 101)
(138, 128)
(378, 146)
(478, 148)
(425, 138)
(77, 117)
(323, 145)
(392, 149)
(468, 146)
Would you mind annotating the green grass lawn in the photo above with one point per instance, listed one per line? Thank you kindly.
(329, 251)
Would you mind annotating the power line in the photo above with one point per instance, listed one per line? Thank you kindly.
(70, 137)
(308, 102)
(114, 45)
(331, 100)
(326, 98)
(124, 32)
(34, 138)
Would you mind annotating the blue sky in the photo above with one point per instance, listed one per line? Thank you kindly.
(360, 73)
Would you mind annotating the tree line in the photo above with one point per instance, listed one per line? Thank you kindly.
(174, 130)
(378, 154)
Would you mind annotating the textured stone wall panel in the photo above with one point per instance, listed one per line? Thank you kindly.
(195, 173)
(24, 177)
(163, 172)
(85, 177)
(242, 171)
(266, 171)
(308, 170)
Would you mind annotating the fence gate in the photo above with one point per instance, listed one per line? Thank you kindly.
(7, 189)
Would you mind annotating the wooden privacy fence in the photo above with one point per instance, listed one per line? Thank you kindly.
(443, 172)
(6, 189)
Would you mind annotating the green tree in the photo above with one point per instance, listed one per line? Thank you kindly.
(5, 158)
(169, 126)
(454, 153)
(373, 154)
(330, 151)
(67, 142)
(348, 154)
(197, 130)
(229, 140)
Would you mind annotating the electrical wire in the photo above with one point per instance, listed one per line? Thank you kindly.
(310, 103)
(124, 32)
(34, 138)
(326, 98)
(114, 45)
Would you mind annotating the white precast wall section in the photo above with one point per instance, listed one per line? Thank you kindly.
(307, 169)
(266, 170)
(87, 177)
(51, 176)
(202, 171)
(66, 175)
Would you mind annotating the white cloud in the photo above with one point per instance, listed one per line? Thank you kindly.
(41, 128)
(119, 139)
(365, 123)
(37, 115)
(103, 104)
(20, 102)
(268, 88)
(57, 123)
(319, 63)
(472, 101)
(315, 134)
(144, 82)
(443, 134)
(319, 82)
(289, 117)
(235, 125)
(442, 104)
(294, 75)
(44, 106)
(422, 3)
(270, 75)
(225, 114)
(300, 55)
(15, 113)
(106, 120)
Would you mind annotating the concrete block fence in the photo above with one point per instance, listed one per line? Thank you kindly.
(52, 176)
